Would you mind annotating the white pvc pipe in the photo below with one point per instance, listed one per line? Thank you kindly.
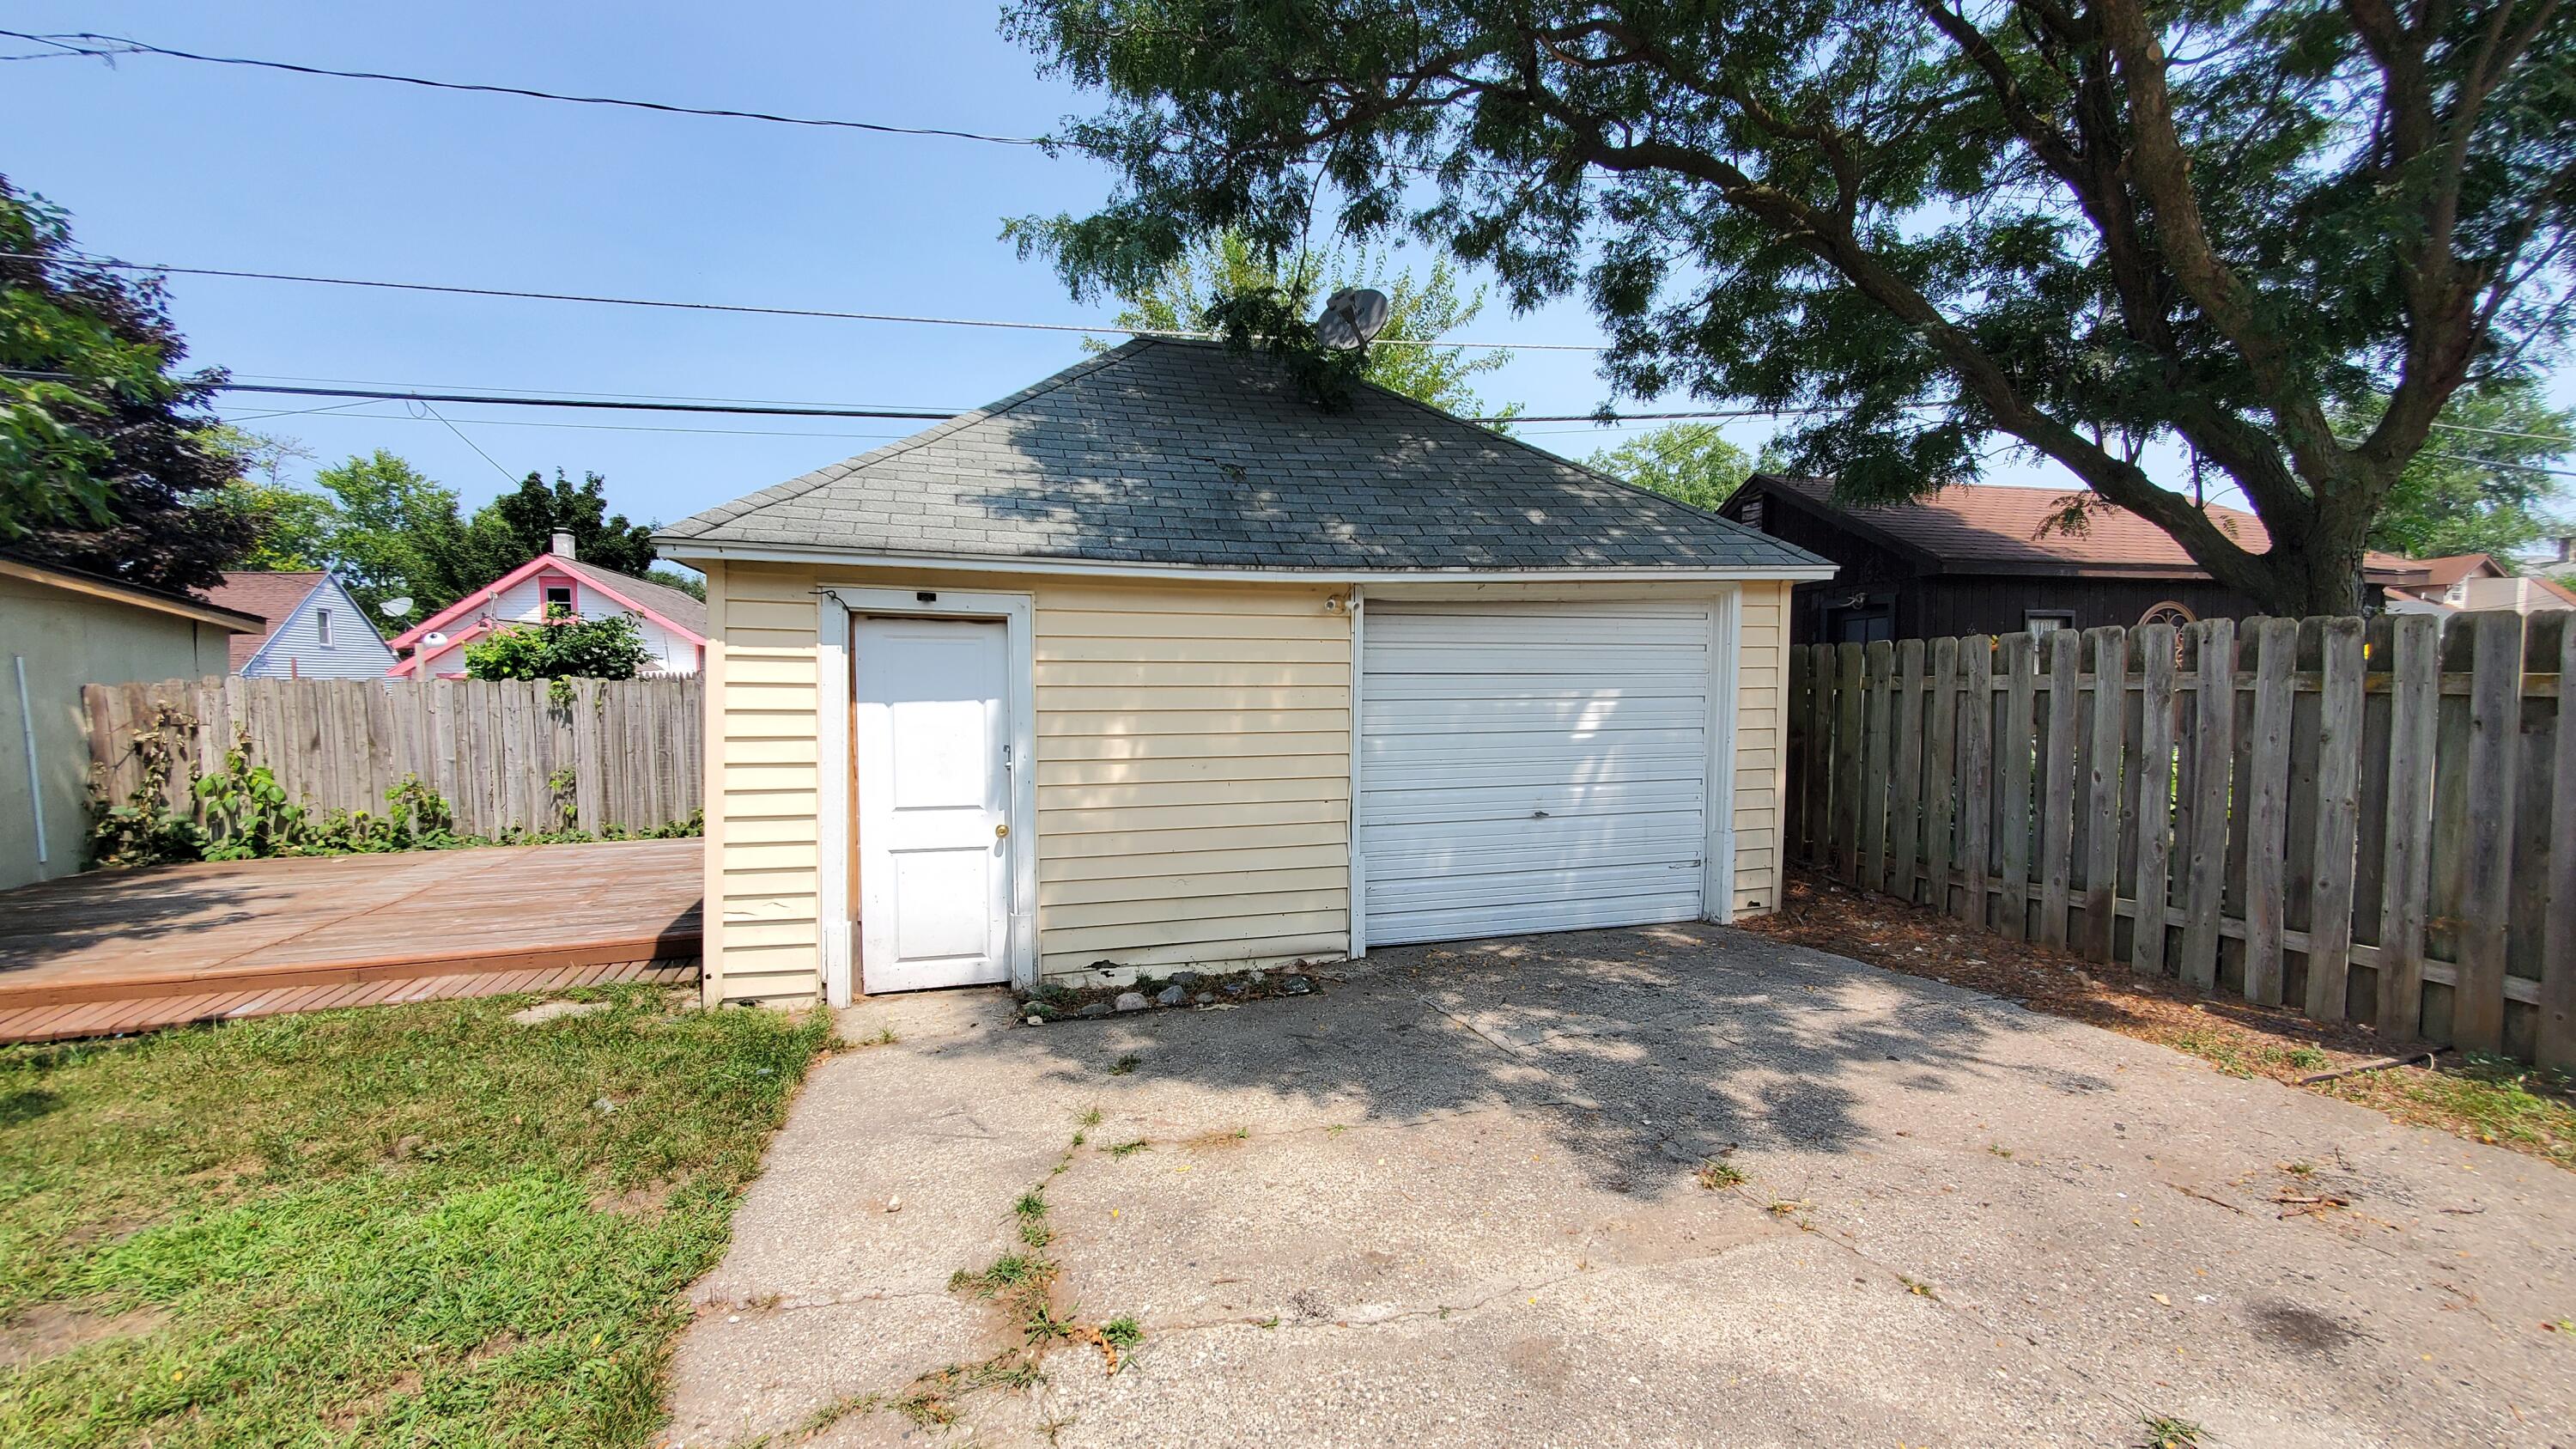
(27, 735)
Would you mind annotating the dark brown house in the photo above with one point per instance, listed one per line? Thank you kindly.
(1979, 559)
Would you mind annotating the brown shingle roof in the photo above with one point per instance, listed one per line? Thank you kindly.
(1993, 524)
(2441, 573)
(268, 596)
(680, 608)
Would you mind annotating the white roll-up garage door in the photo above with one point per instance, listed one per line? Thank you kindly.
(1532, 767)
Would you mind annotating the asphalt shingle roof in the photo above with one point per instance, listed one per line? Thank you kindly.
(1191, 454)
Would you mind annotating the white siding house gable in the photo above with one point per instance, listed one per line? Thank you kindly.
(327, 637)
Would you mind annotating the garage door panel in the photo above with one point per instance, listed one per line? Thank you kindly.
(1539, 771)
(1583, 662)
(1529, 767)
(1399, 865)
(1466, 688)
(1678, 832)
(1586, 883)
(1387, 718)
(1501, 919)
(1505, 804)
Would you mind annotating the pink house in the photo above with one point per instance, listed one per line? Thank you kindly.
(673, 624)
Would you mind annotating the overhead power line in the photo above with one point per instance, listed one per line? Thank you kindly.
(825, 410)
(90, 43)
(666, 304)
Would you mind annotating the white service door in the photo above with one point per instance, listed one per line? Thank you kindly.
(1532, 767)
(934, 791)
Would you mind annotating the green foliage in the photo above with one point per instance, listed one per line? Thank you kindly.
(243, 813)
(103, 456)
(692, 584)
(530, 515)
(561, 648)
(1226, 267)
(2082, 231)
(389, 1225)
(1690, 462)
(2475, 492)
(391, 531)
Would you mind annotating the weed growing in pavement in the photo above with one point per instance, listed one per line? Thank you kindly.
(1125, 1065)
(2167, 1432)
(1022, 1284)
(1717, 1175)
(1123, 1149)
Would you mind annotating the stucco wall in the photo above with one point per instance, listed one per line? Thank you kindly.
(1193, 770)
(65, 640)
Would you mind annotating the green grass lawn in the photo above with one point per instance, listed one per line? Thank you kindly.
(395, 1225)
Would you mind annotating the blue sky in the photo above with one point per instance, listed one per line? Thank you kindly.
(190, 164)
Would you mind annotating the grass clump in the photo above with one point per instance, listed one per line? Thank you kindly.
(1125, 1065)
(417, 1224)
(1125, 1149)
(1717, 1175)
(2167, 1432)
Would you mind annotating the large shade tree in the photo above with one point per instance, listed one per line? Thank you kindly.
(106, 446)
(2092, 227)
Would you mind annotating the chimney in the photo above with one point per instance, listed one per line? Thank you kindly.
(562, 545)
(2566, 547)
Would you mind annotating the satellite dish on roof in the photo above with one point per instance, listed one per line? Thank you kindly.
(433, 638)
(1352, 318)
(396, 607)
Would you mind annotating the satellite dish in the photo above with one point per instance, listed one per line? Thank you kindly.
(395, 608)
(433, 638)
(1352, 318)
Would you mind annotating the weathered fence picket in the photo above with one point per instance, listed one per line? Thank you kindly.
(617, 755)
(2367, 821)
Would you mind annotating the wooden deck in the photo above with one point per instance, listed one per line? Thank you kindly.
(122, 951)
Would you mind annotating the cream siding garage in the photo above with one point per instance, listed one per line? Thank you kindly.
(1534, 766)
(1193, 786)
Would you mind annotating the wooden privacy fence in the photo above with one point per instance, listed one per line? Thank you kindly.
(2366, 820)
(619, 754)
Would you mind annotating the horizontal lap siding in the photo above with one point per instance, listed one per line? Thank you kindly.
(1761, 755)
(1193, 775)
(766, 781)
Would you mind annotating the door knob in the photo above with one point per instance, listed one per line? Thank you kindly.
(1001, 830)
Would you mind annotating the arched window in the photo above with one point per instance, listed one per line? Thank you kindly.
(2168, 612)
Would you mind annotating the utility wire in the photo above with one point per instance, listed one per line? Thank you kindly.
(87, 43)
(114, 264)
(932, 415)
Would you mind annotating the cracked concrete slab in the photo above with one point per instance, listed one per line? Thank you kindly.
(1453, 1199)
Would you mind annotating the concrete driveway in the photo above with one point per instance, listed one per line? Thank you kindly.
(1454, 1199)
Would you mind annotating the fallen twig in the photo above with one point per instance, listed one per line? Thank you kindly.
(2207, 1198)
(2376, 1064)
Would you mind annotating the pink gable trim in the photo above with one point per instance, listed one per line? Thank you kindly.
(477, 599)
(409, 668)
(597, 580)
(468, 604)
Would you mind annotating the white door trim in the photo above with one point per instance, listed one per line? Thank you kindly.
(835, 683)
(1357, 874)
(1725, 678)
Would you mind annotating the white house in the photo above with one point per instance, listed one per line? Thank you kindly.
(315, 629)
(673, 624)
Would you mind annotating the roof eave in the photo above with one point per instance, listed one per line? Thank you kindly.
(691, 550)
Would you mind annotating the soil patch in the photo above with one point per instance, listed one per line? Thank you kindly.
(47, 1329)
(2481, 1099)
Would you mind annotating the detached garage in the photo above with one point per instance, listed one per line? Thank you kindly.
(1155, 664)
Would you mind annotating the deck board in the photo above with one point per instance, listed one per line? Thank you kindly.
(117, 951)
